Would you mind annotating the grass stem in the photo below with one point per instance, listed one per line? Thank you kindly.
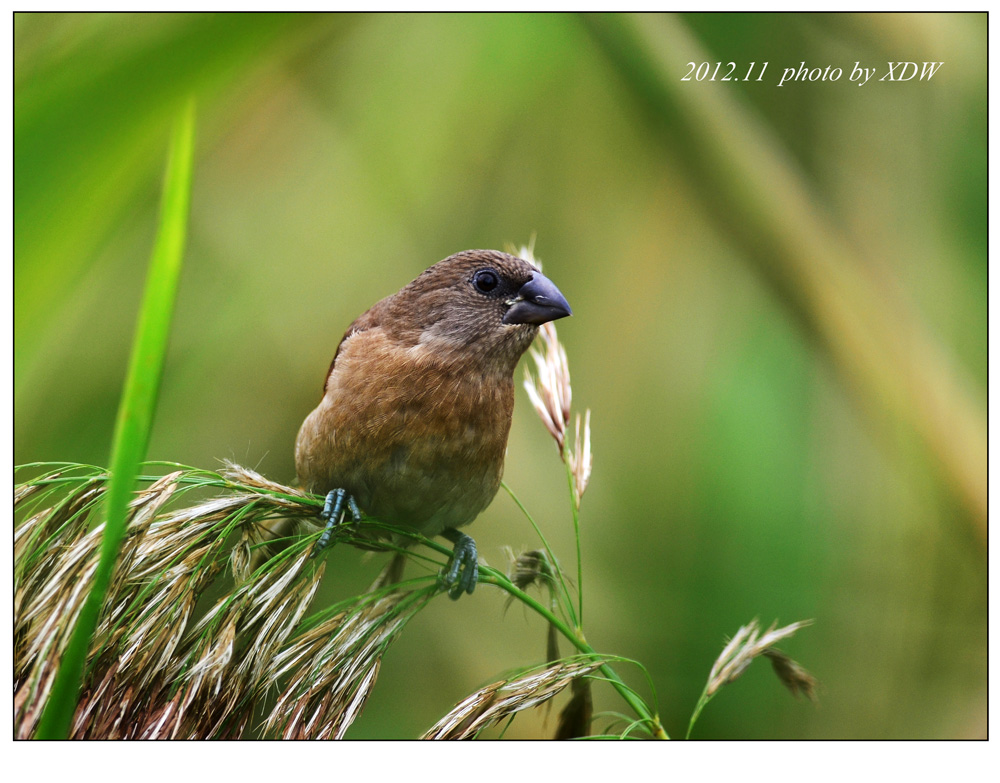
(135, 415)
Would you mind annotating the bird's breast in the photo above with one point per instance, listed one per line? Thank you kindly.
(418, 441)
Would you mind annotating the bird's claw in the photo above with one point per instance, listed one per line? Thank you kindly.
(462, 573)
(338, 504)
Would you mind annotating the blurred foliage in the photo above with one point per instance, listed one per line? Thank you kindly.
(779, 296)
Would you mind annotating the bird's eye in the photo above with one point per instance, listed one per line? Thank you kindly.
(485, 280)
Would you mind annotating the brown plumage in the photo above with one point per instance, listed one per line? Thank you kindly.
(418, 400)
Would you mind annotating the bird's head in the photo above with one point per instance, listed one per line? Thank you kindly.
(479, 305)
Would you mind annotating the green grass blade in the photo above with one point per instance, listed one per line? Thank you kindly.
(135, 413)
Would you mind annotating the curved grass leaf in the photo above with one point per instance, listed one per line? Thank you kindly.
(135, 414)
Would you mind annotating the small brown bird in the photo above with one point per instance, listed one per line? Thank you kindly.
(417, 405)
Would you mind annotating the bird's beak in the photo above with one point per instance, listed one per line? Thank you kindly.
(537, 302)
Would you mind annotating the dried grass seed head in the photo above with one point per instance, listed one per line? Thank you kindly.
(747, 644)
(580, 459)
(500, 700)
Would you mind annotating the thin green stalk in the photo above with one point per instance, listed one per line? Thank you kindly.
(552, 557)
(135, 415)
(702, 701)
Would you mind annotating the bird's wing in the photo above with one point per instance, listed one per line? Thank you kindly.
(370, 319)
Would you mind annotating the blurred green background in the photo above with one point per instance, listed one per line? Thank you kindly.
(779, 301)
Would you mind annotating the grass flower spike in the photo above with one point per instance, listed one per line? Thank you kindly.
(552, 394)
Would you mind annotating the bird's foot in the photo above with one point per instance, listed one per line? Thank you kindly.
(338, 504)
(463, 568)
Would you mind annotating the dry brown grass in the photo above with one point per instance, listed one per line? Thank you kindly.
(167, 663)
(163, 665)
